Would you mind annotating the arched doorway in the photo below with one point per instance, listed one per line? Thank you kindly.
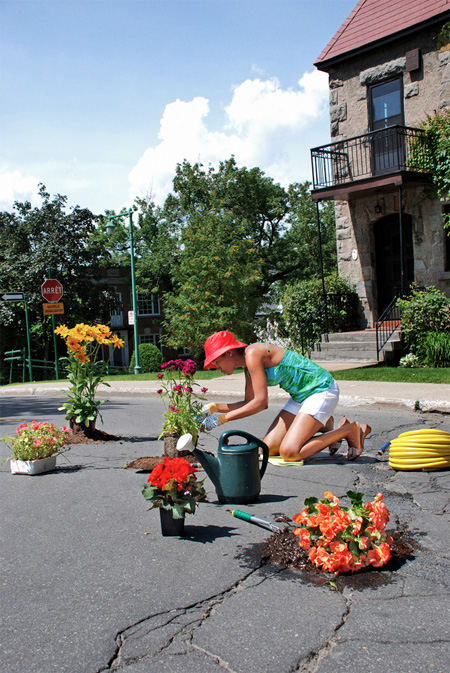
(387, 256)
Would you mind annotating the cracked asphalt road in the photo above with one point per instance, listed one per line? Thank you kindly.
(90, 585)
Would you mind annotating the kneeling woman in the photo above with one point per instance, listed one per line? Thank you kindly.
(314, 395)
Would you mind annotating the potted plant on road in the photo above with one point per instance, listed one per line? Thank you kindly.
(184, 404)
(35, 448)
(173, 488)
(85, 372)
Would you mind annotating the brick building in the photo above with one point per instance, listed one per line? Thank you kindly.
(149, 322)
(386, 73)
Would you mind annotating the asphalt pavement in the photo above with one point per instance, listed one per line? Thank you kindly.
(90, 585)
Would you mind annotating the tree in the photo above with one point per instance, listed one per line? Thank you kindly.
(234, 234)
(217, 282)
(49, 240)
(436, 154)
(302, 238)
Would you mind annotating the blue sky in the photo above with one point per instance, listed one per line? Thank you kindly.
(101, 98)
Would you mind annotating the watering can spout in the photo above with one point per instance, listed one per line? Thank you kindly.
(211, 466)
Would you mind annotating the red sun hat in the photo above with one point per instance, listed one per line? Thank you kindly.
(218, 344)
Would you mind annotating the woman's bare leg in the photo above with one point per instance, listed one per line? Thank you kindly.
(299, 441)
(277, 431)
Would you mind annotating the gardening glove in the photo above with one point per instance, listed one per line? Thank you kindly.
(207, 410)
(213, 421)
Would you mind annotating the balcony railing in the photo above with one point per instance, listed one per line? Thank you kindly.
(374, 154)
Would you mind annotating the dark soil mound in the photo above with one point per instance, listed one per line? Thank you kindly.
(148, 463)
(88, 436)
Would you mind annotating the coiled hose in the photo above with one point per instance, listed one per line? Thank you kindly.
(424, 449)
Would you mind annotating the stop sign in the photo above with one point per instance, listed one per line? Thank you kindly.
(52, 290)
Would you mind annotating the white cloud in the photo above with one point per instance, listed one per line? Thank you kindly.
(266, 126)
(263, 125)
(17, 187)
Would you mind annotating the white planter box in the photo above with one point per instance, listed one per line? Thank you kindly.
(32, 467)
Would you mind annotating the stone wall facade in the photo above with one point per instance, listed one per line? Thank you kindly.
(356, 220)
(425, 90)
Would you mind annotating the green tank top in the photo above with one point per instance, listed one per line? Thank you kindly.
(298, 376)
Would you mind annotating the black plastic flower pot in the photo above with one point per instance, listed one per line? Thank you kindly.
(169, 525)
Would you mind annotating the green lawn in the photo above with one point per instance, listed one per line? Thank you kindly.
(376, 373)
(395, 374)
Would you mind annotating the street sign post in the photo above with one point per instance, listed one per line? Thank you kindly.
(52, 290)
(20, 297)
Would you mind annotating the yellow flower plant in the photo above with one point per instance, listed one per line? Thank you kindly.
(85, 370)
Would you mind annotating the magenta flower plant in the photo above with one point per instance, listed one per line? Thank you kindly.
(183, 402)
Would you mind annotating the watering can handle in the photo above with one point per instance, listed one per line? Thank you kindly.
(251, 439)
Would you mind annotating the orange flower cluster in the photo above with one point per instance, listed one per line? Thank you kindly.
(79, 337)
(342, 539)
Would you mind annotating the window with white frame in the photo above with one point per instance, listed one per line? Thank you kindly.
(117, 312)
(148, 304)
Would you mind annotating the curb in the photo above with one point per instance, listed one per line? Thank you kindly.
(438, 406)
(420, 405)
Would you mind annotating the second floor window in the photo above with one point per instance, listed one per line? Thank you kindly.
(385, 113)
(386, 106)
(148, 304)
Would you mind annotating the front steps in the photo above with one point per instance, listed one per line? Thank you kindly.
(360, 347)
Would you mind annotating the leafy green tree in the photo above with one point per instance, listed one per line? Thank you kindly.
(252, 200)
(217, 282)
(158, 237)
(302, 237)
(42, 241)
(227, 210)
(437, 129)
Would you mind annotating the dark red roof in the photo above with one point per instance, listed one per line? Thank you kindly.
(373, 20)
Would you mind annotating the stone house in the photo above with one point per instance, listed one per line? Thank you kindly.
(386, 73)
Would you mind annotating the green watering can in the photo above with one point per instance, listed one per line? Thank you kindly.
(236, 472)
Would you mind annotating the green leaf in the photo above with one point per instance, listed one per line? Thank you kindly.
(356, 498)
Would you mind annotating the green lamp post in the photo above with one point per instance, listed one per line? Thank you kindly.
(110, 229)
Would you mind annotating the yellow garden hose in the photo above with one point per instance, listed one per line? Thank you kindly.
(424, 449)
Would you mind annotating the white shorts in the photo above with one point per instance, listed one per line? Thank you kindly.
(319, 405)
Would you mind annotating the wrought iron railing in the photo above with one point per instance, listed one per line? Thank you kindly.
(397, 148)
(388, 323)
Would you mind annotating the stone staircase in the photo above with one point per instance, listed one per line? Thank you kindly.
(357, 347)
